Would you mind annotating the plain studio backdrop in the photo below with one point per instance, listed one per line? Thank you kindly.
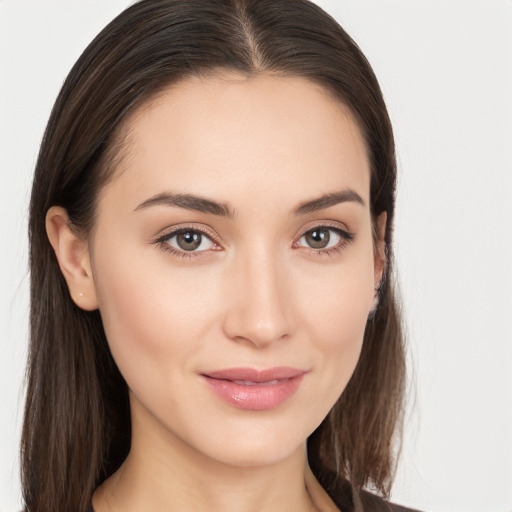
(445, 67)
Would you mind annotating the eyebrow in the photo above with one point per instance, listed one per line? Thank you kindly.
(189, 202)
(329, 200)
(201, 204)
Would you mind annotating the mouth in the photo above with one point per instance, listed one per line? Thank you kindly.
(257, 390)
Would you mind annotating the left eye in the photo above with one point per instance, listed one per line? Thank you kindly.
(189, 240)
(320, 238)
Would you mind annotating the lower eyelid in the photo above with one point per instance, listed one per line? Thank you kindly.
(179, 253)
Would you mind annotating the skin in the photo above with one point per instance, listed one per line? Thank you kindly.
(255, 293)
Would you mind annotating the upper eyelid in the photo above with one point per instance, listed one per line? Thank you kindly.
(342, 233)
(174, 230)
(337, 226)
(210, 233)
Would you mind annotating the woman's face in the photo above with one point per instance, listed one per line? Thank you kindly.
(233, 263)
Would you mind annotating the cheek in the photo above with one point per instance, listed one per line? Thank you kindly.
(335, 316)
(340, 333)
(337, 303)
(154, 319)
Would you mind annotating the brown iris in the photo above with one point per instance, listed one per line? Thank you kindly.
(318, 238)
(188, 240)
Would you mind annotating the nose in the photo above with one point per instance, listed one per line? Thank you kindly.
(258, 311)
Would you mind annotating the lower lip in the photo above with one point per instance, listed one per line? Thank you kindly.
(256, 397)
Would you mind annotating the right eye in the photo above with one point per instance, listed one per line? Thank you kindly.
(187, 242)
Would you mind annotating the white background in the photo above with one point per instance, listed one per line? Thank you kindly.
(445, 67)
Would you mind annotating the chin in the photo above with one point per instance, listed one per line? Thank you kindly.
(259, 441)
(259, 454)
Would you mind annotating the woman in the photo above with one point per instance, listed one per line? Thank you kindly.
(213, 320)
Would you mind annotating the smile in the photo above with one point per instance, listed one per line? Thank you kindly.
(247, 388)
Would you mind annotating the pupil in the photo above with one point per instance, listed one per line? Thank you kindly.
(188, 240)
(318, 238)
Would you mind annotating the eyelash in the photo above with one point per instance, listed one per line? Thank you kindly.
(162, 241)
(346, 238)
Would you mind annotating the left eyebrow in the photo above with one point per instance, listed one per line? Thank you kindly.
(328, 200)
(189, 202)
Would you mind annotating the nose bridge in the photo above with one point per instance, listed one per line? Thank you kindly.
(259, 311)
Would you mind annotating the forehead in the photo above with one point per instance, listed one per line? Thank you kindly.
(219, 135)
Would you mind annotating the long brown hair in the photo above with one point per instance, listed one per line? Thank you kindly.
(76, 428)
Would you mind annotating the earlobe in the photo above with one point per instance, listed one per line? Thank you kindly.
(72, 254)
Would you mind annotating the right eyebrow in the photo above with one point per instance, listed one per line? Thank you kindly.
(189, 202)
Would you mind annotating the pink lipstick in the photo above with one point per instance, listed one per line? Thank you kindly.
(257, 390)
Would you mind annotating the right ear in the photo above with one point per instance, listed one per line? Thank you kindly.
(72, 254)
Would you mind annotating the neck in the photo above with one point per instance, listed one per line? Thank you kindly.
(162, 473)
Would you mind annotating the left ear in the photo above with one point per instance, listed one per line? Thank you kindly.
(380, 259)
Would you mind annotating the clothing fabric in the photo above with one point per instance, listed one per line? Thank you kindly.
(342, 495)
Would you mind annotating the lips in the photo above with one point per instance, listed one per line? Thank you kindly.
(248, 388)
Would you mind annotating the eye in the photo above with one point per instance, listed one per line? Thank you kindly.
(324, 238)
(187, 240)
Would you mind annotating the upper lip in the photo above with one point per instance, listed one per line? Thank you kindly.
(254, 375)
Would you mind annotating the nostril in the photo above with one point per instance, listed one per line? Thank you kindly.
(244, 329)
